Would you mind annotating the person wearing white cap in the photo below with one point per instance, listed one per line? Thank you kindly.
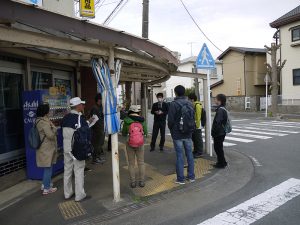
(69, 124)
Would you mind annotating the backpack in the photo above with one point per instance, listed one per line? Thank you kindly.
(227, 127)
(82, 147)
(187, 123)
(34, 138)
(136, 135)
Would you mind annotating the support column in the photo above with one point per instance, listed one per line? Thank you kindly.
(208, 146)
(114, 137)
(78, 80)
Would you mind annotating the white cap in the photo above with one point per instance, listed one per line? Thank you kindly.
(76, 101)
(135, 108)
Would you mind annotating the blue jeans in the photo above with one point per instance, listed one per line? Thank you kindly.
(47, 177)
(179, 145)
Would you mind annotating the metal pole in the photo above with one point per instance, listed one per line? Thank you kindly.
(114, 137)
(209, 112)
(196, 81)
(266, 115)
(206, 93)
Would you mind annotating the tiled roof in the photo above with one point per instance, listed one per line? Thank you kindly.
(291, 16)
(243, 50)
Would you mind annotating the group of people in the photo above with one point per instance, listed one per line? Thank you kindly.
(185, 117)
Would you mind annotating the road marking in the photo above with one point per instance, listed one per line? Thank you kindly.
(274, 125)
(250, 135)
(240, 120)
(258, 128)
(255, 161)
(238, 139)
(259, 132)
(225, 143)
(284, 122)
(259, 206)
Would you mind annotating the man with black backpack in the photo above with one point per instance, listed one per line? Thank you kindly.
(200, 119)
(181, 122)
(75, 129)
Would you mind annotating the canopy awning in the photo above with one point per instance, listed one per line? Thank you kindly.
(37, 33)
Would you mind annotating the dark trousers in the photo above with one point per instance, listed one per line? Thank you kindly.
(198, 142)
(158, 126)
(98, 142)
(218, 145)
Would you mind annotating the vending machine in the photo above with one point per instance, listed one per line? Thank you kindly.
(59, 106)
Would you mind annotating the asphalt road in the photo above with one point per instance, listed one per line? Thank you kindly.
(274, 151)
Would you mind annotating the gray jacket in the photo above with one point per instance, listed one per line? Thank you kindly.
(174, 118)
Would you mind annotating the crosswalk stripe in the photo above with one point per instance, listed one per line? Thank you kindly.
(239, 120)
(274, 125)
(284, 122)
(259, 206)
(225, 143)
(250, 135)
(238, 139)
(258, 128)
(259, 132)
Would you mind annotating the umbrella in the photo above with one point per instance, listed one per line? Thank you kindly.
(106, 87)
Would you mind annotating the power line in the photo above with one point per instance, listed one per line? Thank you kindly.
(186, 9)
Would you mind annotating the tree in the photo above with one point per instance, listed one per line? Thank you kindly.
(274, 70)
(189, 90)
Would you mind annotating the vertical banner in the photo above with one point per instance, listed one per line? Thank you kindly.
(34, 2)
(87, 8)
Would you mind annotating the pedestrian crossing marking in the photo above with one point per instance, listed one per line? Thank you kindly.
(275, 125)
(239, 120)
(250, 135)
(254, 128)
(259, 132)
(259, 206)
(239, 139)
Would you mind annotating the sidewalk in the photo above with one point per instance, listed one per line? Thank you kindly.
(25, 198)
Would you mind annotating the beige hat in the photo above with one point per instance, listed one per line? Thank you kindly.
(76, 101)
(135, 108)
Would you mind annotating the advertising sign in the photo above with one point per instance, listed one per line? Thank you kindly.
(34, 2)
(87, 8)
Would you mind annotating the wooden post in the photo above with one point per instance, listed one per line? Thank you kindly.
(114, 137)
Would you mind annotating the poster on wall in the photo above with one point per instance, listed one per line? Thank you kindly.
(87, 8)
(34, 2)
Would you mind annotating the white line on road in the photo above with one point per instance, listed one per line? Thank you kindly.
(226, 144)
(238, 139)
(259, 132)
(259, 206)
(258, 128)
(274, 125)
(255, 161)
(240, 120)
(250, 135)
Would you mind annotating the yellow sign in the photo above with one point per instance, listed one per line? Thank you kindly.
(87, 8)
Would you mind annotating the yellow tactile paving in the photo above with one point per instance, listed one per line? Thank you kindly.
(71, 209)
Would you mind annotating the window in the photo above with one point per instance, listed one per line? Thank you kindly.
(41, 80)
(296, 34)
(296, 76)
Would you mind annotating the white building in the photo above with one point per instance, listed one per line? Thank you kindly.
(288, 35)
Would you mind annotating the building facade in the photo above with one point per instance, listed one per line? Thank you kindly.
(288, 35)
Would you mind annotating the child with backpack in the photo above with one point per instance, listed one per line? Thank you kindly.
(135, 128)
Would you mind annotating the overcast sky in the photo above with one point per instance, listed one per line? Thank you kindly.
(242, 23)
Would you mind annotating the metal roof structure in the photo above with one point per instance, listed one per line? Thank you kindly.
(290, 17)
(243, 50)
(34, 32)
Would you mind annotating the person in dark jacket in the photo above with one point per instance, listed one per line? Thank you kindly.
(218, 132)
(160, 112)
(98, 134)
(182, 141)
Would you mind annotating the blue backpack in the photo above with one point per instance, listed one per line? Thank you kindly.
(82, 147)
(34, 138)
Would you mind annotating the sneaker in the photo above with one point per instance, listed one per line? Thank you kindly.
(49, 191)
(190, 180)
(179, 182)
(218, 166)
(142, 184)
(152, 149)
(133, 184)
(161, 149)
(96, 161)
(197, 156)
(42, 186)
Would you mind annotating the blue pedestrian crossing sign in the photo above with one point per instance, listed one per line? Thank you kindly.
(205, 59)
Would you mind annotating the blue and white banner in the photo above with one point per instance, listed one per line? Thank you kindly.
(34, 2)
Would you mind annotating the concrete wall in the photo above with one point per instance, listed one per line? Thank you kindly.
(291, 52)
(237, 103)
(289, 109)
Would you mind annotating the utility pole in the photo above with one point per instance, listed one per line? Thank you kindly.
(191, 44)
(274, 69)
(145, 34)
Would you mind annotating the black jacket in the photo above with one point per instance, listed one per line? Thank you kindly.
(174, 118)
(219, 122)
(99, 125)
(163, 106)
